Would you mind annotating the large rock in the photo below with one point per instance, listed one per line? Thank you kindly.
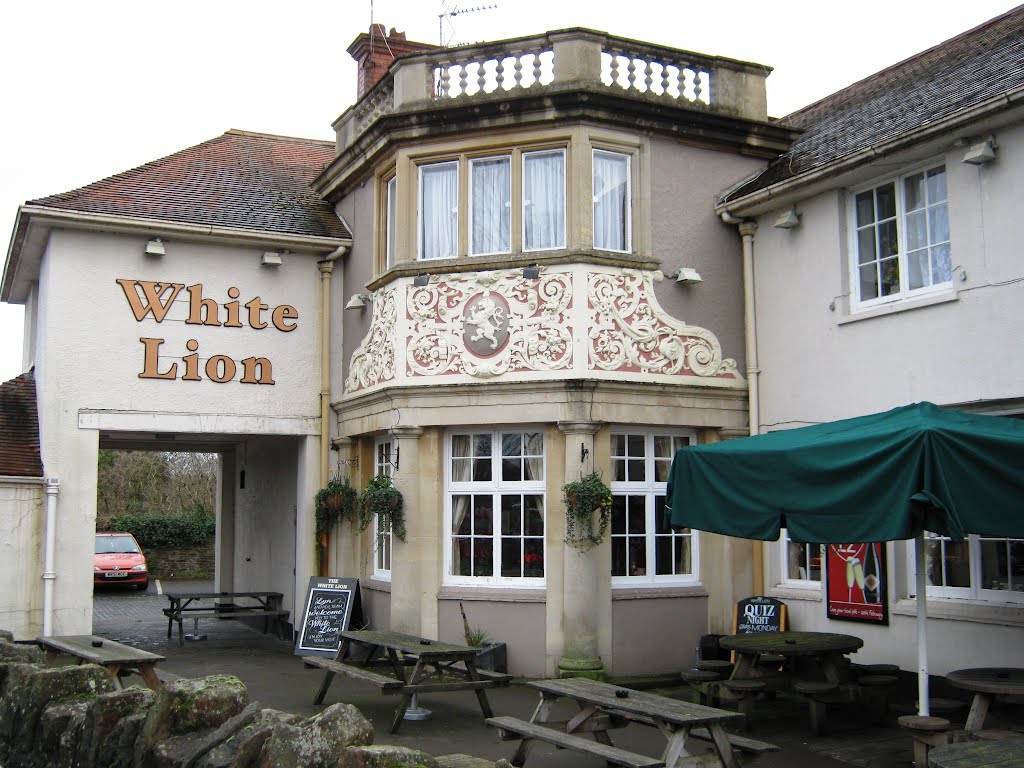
(37, 691)
(186, 707)
(106, 712)
(118, 749)
(29, 654)
(319, 741)
(60, 729)
(243, 749)
(385, 756)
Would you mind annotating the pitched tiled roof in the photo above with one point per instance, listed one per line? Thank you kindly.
(19, 428)
(968, 70)
(244, 180)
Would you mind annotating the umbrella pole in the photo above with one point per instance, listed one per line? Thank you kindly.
(922, 627)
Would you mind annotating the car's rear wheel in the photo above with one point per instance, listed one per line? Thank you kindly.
(143, 586)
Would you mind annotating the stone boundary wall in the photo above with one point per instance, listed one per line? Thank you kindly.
(180, 562)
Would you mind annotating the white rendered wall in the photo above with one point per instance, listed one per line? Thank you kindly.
(89, 357)
(820, 364)
(22, 531)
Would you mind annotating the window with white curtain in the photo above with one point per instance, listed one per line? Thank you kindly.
(495, 507)
(645, 550)
(490, 192)
(439, 210)
(612, 204)
(543, 200)
(382, 465)
(391, 209)
(977, 568)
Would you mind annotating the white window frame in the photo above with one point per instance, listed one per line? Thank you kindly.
(420, 222)
(524, 202)
(383, 552)
(391, 214)
(496, 486)
(508, 202)
(905, 292)
(652, 489)
(803, 583)
(976, 591)
(627, 224)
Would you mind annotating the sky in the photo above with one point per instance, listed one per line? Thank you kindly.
(90, 89)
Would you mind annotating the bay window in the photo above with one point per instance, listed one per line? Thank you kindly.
(391, 211)
(490, 193)
(495, 507)
(439, 210)
(543, 200)
(611, 197)
(901, 244)
(645, 550)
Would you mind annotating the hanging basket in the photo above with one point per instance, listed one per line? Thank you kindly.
(586, 499)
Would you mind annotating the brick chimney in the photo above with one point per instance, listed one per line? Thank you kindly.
(374, 52)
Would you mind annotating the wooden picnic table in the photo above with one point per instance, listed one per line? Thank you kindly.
(603, 706)
(987, 683)
(114, 657)
(407, 665)
(979, 754)
(265, 604)
(826, 648)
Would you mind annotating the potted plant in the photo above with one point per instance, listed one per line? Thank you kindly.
(583, 499)
(492, 656)
(336, 501)
(381, 498)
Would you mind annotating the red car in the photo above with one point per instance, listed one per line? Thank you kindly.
(119, 560)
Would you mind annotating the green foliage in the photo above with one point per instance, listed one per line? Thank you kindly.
(336, 501)
(380, 497)
(582, 499)
(155, 529)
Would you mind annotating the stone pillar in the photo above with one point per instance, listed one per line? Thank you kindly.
(580, 612)
(343, 558)
(414, 562)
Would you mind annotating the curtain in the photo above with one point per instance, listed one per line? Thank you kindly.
(611, 201)
(392, 206)
(439, 208)
(544, 200)
(491, 193)
(461, 473)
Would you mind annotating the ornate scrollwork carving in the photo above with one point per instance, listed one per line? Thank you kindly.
(374, 359)
(630, 332)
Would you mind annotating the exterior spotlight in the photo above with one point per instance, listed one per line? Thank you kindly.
(270, 259)
(787, 219)
(421, 281)
(358, 301)
(531, 272)
(155, 247)
(981, 152)
(687, 275)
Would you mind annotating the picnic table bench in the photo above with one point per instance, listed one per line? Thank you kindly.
(407, 665)
(265, 604)
(116, 658)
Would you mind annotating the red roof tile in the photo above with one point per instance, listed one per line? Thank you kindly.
(19, 428)
(244, 180)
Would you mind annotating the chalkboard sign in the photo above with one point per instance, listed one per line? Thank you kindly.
(330, 606)
(759, 614)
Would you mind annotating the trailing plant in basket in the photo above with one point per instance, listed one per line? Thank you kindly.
(337, 500)
(583, 498)
(380, 497)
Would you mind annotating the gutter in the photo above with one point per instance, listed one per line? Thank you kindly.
(746, 205)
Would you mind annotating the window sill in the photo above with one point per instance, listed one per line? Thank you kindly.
(977, 612)
(812, 592)
(377, 584)
(494, 594)
(899, 306)
(651, 592)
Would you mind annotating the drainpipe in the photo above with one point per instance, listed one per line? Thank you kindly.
(51, 487)
(326, 266)
(747, 227)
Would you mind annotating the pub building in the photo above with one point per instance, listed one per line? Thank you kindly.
(478, 289)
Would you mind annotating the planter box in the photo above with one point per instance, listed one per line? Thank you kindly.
(493, 657)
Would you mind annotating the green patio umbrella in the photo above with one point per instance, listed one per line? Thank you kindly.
(887, 476)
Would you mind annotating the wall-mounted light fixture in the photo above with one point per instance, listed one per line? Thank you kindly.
(687, 275)
(421, 281)
(981, 152)
(270, 259)
(358, 301)
(531, 272)
(787, 219)
(155, 247)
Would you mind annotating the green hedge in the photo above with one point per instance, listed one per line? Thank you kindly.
(153, 529)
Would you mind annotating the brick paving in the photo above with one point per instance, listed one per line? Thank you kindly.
(278, 679)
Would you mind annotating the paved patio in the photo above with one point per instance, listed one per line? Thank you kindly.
(278, 679)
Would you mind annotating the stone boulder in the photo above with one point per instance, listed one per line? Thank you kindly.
(21, 652)
(385, 756)
(243, 749)
(118, 749)
(60, 729)
(183, 712)
(319, 741)
(103, 717)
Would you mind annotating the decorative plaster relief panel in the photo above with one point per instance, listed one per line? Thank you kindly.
(578, 321)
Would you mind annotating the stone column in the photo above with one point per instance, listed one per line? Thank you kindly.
(580, 612)
(343, 557)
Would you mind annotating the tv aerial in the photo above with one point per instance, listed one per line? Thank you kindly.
(456, 11)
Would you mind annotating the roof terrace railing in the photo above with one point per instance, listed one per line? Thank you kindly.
(564, 60)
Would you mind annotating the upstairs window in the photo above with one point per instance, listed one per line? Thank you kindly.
(391, 203)
(901, 238)
(612, 218)
(490, 191)
(439, 210)
(543, 200)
